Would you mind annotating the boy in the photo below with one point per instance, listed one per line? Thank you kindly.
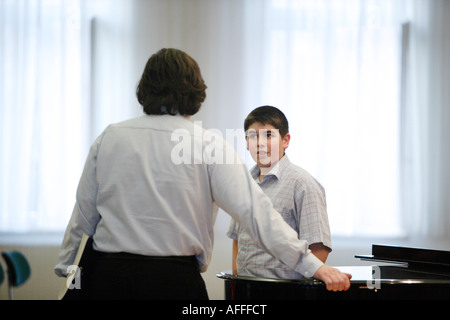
(295, 194)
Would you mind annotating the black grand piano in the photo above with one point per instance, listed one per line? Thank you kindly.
(401, 273)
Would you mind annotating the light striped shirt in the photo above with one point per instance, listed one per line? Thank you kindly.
(300, 199)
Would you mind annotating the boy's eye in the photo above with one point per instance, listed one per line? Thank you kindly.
(252, 135)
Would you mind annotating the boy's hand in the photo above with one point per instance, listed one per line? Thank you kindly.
(334, 279)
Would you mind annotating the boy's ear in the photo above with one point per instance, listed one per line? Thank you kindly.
(286, 140)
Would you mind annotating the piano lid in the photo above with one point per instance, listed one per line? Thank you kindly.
(414, 257)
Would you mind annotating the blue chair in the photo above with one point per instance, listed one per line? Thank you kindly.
(2, 274)
(18, 269)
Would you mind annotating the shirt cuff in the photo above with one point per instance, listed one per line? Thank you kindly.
(308, 264)
(232, 235)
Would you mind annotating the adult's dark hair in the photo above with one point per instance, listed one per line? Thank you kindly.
(268, 115)
(171, 83)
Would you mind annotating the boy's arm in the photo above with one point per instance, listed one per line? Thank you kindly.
(320, 251)
(235, 252)
(312, 220)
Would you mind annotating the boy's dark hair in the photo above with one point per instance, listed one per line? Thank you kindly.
(171, 83)
(268, 115)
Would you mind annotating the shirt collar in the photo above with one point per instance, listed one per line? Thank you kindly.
(277, 170)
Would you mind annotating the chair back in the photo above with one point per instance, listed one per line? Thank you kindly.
(18, 268)
(2, 274)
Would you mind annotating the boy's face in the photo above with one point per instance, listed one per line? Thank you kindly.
(265, 144)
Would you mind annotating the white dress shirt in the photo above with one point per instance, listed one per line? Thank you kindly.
(152, 186)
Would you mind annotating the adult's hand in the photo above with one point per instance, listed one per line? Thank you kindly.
(334, 279)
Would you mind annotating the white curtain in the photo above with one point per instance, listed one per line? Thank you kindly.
(43, 105)
(64, 75)
(365, 96)
(426, 121)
